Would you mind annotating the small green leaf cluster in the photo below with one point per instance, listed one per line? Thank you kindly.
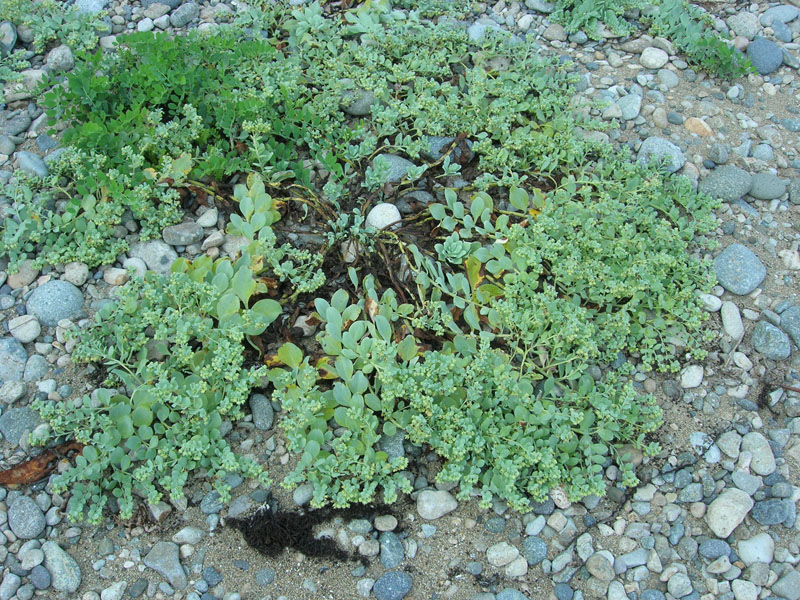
(336, 427)
(175, 351)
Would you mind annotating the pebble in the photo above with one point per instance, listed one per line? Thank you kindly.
(766, 186)
(790, 323)
(661, 149)
(182, 234)
(384, 215)
(771, 341)
(432, 505)
(599, 566)
(728, 510)
(32, 164)
(12, 359)
(499, 555)
(691, 376)
(76, 273)
(184, 14)
(164, 559)
(739, 270)
(392, 585)
(653, 58)
(758, 549)
(732, 320)
(534, 549)
(25, 328)
(727, 182)
(398, 167)
(765, 55)
(773, 512)
(392, 553)
(65, 574)
(303, 493)
(115, 591)
(54, 301)
(156, 254)
(25, 518)
(16, 422)
(763, 461)
(262, 411)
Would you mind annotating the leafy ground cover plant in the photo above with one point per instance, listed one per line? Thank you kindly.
(174, 348)
(476, 330)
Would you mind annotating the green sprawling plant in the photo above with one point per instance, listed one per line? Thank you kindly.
(473, 329)
(174, 346)
(50, 21)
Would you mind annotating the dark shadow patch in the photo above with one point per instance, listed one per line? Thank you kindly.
(271, 532)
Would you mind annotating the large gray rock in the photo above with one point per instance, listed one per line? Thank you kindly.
(739, 270)
(184, 14)
(771, 341)
(263, 413)
(182, 234)
(54, 301)
(763, 462)
(12, 359)
(25, 518)
(163, 558)
(744, 24)
(65, 574)
(16, 125)
(765, 55)
(661, 149)
(32, 164)
(728, 183)
(398, 167)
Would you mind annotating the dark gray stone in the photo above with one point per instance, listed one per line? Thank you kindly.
(182, 234)
(392, 553)
(8, 37)
(55, 300)
(765, 55)
(712, 549)
(211, 576)
(437, 146)
(719, 153)
(534, 550)
(563, 591)
(17, 124)
(211, 503)
(263, 413)
(16, 422)
(739, 270)
(728, 183)
(393, 585)
(32, 164)
(771, 341)
(40, 577)
(398, 167)
(772, 512)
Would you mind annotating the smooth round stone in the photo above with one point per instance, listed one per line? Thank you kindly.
(8, 36)
(25, 518)
(501, 554)
(692, 376)
(727, 182)
(65, 574)
(265, 577)
(16, 422)
(771, 341)
(398, 167)
(54, 301)
(384, 215)
(772, 512)
(765, 55)
(184, 14)
(40, 577)
(727, 511)
(739, 270)
(653, 58)
(534, 550)
(600, 567)
(763, 461)
(712, 549)
(766, 186)
(302, 494)
(25, 328)
(60, 59)
(182, 234)
(156, 254)
(392, 553)
(12, 359)
(732, 320)
(32, 164)
(16, 125)
(262, 411)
